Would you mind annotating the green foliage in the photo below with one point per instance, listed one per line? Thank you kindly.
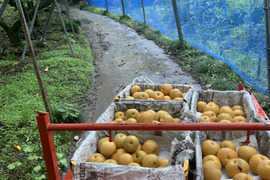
(73, 2)
(78, 22)
(67, 81)
(76, 25)
(66, 113)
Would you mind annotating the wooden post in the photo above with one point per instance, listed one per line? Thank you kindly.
(33, 56)
(123, 7)
(107, 9)
(143, 13)
(267, 39)
(178, 25)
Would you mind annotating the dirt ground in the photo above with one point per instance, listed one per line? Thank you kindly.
(120, 55)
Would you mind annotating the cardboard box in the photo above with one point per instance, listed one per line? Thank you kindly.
(184, 152)
(260, 141)
(155, 87)
(222, 98)
(88, 146)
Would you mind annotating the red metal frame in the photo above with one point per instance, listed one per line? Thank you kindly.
(46, 136)
(48, 147)
(46, 128)
(259, 109)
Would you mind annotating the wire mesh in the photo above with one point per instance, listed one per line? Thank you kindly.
(232, 31)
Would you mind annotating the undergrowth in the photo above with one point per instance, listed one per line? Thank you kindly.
(67, 80)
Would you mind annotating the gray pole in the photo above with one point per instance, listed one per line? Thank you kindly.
(60, 2)
(3, 7)
(31, 28)
(66, 4)
(143, 13)
(33, 56)
(178, 25)
(48, 20)
(107, 5)
(123, 7)
(267, 40)
(65, 29)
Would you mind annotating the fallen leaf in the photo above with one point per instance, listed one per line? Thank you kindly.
(76, 138)
(18, 147)
(157, 73)
(208, 85)
(37, 95)
(16, 63)
(72, 162)
(46, 69)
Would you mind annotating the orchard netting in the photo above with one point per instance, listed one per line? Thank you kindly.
(232, 31)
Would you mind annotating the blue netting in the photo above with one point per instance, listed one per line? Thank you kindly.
(232, 31)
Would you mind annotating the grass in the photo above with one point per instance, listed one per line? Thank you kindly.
(211, 72)
(67, 80)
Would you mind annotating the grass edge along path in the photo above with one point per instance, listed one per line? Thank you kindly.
(67, 80)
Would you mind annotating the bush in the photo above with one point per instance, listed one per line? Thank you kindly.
(67, 113)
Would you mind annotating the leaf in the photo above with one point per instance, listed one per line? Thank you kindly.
(73, 115)
(33, 157)
(37, 95)
(76, 138)
(18, 147)
(27, 149)
(64, 116)
(37, 168)
(61, 110)
(46, 69)
(59, 155)
(72, 162)
(63, 161)
(16, 63)
(18, 163)
(41, 177)
(11, 166)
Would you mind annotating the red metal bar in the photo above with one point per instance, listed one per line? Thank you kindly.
(110, 136)
(259, 109)
(69, 176)
(248, 137)
(160, 126)
(240, 87)
(48, 147)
